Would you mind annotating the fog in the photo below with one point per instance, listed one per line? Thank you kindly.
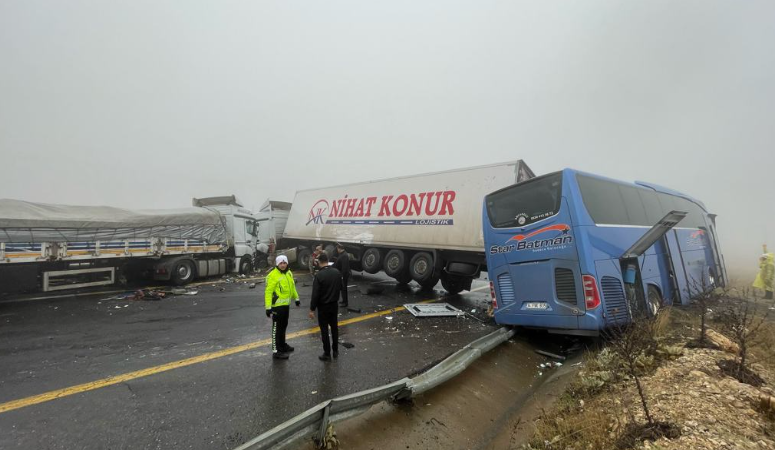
(146, 104)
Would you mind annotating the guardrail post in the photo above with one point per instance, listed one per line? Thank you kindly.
(321, 441)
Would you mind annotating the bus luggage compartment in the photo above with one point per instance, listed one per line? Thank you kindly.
(544, 294)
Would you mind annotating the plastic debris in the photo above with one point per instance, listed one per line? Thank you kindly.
(550, 355)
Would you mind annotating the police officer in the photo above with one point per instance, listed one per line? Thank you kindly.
(325, 293)
(343, 265)
(280, 290)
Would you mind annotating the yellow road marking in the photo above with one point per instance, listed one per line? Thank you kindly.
(109, 381)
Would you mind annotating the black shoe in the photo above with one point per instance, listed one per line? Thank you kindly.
(280, 355)
(324, 357)
(342, 305)
(336, 354)
(288, 348)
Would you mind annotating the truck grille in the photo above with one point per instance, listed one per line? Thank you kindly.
(615, 302)
(565, 285)
(506, 288)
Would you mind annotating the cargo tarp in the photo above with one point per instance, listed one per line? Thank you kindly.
(28, 222)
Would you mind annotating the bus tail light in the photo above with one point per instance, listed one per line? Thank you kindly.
(492, 294)
(591, 294)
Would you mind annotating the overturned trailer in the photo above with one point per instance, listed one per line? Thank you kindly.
(53, 247)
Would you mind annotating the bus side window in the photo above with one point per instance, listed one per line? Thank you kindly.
(603, 201)
(653, 209)
(634, 206)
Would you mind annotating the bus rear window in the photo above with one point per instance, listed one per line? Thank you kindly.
(525, 203)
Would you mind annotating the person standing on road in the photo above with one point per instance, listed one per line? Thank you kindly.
(313, 260)
(765, 279)
(325, 293)
(280, 290)
(343, 265)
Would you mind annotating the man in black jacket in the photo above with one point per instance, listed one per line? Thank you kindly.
(325, 293)
(343, 265)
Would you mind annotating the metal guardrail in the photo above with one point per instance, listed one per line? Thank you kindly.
(315, 421)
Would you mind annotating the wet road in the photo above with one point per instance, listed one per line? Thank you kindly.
(114, 373)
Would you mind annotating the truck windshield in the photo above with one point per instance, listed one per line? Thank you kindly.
(525, 203)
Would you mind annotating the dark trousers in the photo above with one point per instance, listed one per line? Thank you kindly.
(279, 325)
(327, 317)
(345, 279)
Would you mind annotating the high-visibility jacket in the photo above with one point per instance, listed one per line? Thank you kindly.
(282, 285)
(765, 279)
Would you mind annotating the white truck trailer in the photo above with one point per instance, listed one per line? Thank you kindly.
(424, 227)
(56, 247)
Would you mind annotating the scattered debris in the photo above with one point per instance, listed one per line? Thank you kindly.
(435, 310)
(550, 355)
(252, 286)
(347, 345)
(371, 289)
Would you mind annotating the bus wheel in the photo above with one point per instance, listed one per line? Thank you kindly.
(395, 263)
(653, 301)
(372, 260)
(183, 272)
(421, 267)
(303, 258)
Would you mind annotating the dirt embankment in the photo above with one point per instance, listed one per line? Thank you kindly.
(692, 395)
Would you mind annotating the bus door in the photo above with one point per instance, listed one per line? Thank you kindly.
(677, 269)
(720, 272)
(663, 231)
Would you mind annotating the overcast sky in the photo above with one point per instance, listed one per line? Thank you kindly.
(145, 104)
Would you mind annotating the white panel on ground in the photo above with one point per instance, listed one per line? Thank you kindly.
(434, 310)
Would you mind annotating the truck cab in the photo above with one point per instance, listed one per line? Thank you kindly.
(241, 225)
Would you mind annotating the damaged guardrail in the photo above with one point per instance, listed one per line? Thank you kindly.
(315, 421)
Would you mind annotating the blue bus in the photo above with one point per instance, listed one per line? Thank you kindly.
(560, 256)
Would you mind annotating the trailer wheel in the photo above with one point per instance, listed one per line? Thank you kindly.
(183, 272)
(429, 284)
(395, 263)
(403, 278)
(454, 284)
(303, 258)
(245, 265)
(330, 250)
(372, 260)
(421, 267)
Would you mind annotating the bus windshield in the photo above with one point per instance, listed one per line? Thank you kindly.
(525, 203)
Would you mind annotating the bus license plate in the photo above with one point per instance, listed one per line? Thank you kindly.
(536, 305)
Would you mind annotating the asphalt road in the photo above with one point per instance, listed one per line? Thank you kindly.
(99, 372)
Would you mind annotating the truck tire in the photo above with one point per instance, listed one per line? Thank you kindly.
(330, 251)
(302, 259)
(245, 265)
(421, 267)
(454, 284)
(183, 272)
(429, 284)
(372, 260)
(403, 278)
(395, 263)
